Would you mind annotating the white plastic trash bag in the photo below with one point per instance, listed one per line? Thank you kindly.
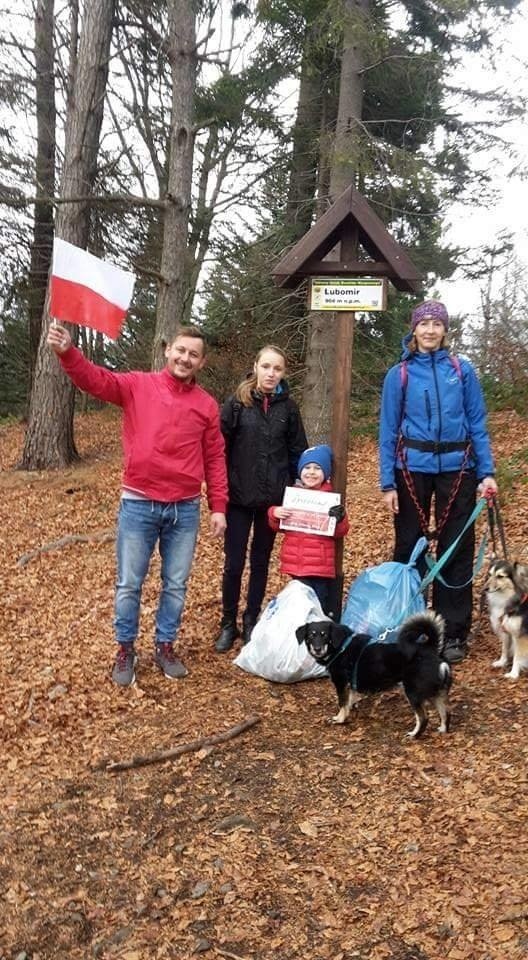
(274, 651)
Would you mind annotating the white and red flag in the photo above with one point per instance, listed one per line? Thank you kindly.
(88, 291)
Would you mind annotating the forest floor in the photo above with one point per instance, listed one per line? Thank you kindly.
(294, 839)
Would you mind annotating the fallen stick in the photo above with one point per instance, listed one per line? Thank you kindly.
(104, 536)
(514, 915)
(228, 954)
(183, 748)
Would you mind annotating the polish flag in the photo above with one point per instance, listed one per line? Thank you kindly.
(88, 291)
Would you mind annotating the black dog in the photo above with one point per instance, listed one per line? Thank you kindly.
(358, 664)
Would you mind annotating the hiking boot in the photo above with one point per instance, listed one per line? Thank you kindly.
(455, 650)
(167, 661)
(248, 622)
(123, 672)
(228, 634)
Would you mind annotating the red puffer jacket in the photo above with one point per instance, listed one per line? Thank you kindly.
(308, 554)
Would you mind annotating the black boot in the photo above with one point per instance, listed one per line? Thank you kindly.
(228, 634)
(248, 622)
(455, 649)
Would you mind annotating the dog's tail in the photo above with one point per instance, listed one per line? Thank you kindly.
(421, 630)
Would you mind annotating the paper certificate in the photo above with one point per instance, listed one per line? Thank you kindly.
(309, 511)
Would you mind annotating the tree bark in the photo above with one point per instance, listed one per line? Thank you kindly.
(303, 177)
(49, 438)
(175, 265)
(42, 243)
(345, 165)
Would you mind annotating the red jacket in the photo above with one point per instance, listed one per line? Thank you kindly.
(308, 554)
(171, 431)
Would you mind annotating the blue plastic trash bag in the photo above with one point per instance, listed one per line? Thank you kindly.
(381, 597)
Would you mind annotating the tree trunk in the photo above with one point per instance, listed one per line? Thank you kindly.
(49, 438)
(175, 266)
(301, 194)
(320, 359)
(44, 175)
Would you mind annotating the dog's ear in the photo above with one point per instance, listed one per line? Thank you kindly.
(520, 576)
(338, 633)
(301, 633)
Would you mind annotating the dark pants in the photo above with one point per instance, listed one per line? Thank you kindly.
(455, 605)
(324, 589)
(239, 523)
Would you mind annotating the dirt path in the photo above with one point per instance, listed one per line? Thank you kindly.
(293, 840)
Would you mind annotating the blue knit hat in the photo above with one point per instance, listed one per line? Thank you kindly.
(321, 455)
(429, 310)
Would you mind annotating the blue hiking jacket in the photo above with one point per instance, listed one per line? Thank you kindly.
(438, 403)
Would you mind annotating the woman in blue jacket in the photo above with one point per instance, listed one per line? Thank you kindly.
(434, 441)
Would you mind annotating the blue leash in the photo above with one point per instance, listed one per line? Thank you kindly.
(436, 567)
(476, 569)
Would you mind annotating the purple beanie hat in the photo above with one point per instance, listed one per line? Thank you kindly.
(429, 310)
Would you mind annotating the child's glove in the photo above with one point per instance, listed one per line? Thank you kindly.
(338, 511)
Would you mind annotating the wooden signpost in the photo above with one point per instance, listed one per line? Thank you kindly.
(367, 251)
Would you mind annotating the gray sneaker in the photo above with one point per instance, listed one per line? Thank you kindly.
(168, 663)
(124, 673)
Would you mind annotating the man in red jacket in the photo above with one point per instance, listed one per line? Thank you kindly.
(171, 442)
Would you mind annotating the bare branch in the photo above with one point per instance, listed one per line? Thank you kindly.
(127, 198)
(103, 536)
(194, 745)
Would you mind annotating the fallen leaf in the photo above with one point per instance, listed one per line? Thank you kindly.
(308, 828)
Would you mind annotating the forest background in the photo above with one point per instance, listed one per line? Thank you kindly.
(194, 142)
(162, 136)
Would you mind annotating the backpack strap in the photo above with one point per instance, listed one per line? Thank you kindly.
(235, 421)
(404, 373)
(237, 409)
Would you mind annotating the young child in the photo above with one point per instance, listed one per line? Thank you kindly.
(310, 557)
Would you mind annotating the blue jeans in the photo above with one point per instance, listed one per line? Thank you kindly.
(141, 525)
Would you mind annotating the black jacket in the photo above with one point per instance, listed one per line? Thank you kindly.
(262, 448)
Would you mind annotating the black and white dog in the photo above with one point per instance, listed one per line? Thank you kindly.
(357, 664)
(501, 590)
(507, 596)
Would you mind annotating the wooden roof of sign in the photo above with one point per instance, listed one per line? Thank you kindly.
(351, 222)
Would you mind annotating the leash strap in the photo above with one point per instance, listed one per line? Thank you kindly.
(441, 562)
(500, 527)
(491, 527)
(476, 569)
(341, 650)
(353, 682)
(411, 489)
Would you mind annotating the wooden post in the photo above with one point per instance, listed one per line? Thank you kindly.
(344, 337)
(350, 222)
(341, 426)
